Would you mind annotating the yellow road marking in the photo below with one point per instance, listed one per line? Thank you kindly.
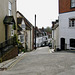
(13, 64)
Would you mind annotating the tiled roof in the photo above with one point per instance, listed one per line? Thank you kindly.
(26, 21)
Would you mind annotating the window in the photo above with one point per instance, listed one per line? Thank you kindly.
(12, 32)
(72, 42)
(72, 3)
(72, 22)
(22, 38)
(9, 8)
(23, 26)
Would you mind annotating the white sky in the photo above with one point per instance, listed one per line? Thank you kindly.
(46, 11)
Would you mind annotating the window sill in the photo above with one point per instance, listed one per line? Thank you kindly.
(22, 42)
(72, 7)
(71, 27)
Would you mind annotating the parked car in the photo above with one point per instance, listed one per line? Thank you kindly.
(43, 44)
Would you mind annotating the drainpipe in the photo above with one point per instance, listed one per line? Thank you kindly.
(35, 31)
(30, 38)
(53, 40)
(53, 34)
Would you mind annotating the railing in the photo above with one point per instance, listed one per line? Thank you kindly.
(5, 46)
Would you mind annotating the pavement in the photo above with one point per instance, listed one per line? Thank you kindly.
(43, 61)
(7, 64)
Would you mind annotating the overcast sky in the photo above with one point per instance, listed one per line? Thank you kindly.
(46, 11)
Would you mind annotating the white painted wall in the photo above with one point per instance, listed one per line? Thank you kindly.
(23, 32)
(28, 40)
(56, 37)
(38, 41)
(64, 30)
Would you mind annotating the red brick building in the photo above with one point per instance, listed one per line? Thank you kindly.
(66, 6)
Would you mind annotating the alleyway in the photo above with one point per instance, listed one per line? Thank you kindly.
(42, 62)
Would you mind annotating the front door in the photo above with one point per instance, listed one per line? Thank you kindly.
(62, 43)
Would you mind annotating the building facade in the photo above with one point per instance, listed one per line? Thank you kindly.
(21, 29)
(8, 11)
(66, 24)
(27, 35)
(44, 37)
(8, 29)
(55, 34)
(39, 39)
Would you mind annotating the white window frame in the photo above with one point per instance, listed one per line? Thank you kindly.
(23, 26)
(22, 38)
(9, 8)
(72, 22)
(12, 32)
(72, 3)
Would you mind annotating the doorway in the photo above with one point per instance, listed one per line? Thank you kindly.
(62, 43)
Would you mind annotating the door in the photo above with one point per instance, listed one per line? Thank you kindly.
(62, 43)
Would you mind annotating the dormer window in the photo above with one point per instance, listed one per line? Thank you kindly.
(72, 3)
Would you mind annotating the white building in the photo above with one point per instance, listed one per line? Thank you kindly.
(55, 34)
(39, 39)
(44, 37)
(67, 24)
(27, 36)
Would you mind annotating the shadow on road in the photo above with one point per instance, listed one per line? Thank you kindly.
(68, 51)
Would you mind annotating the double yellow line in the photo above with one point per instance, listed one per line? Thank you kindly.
(14, 63)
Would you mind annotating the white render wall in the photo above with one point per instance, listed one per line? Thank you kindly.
(28, 39)
(56, 37)
(39, 41)
(64, 30)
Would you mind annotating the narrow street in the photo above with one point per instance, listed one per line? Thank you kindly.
(42, 62)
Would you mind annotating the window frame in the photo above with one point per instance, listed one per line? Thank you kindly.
(72, 42)
(72, 22)
(12, 32)
(9, 8)
(22, 38)
(23, 26)
(72, 3)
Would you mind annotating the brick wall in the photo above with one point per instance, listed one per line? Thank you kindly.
(65, 6)
(11, 54)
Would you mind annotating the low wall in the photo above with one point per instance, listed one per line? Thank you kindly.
(10, 54)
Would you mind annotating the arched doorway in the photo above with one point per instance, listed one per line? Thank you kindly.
(62, 43)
